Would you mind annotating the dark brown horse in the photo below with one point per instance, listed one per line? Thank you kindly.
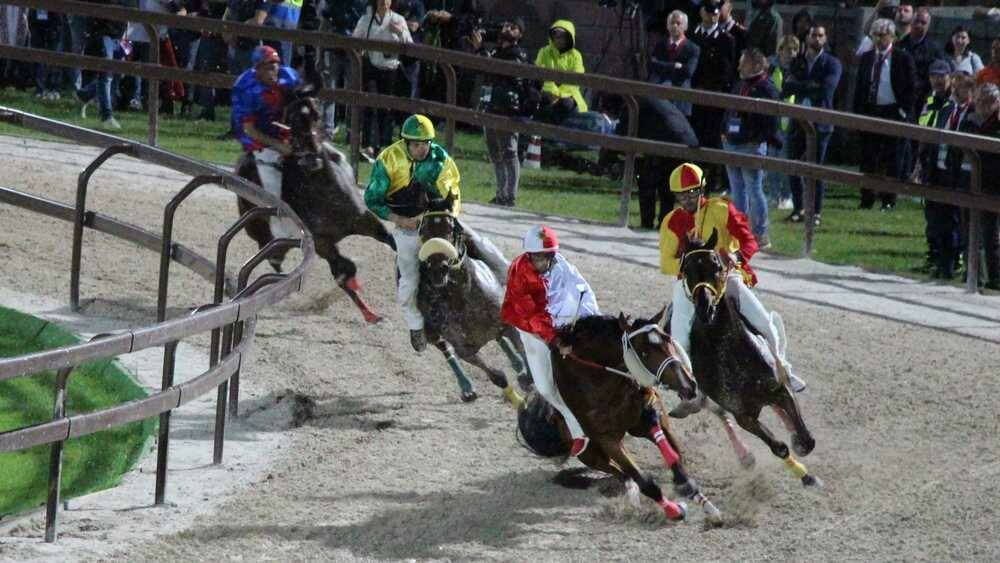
(733, 365)
(318, 183)
(461, 288)
(608, 383)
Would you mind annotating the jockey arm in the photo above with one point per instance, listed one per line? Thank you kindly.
(524, 301)
(277, 144)
(376, 194)
(448, 183)
(739, 229)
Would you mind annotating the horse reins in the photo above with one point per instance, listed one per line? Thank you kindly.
(627, 348)
(714, 290)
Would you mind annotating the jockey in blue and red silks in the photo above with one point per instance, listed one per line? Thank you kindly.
(544, 292)
(259, 97)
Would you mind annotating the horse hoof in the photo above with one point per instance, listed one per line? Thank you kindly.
(469, 396)
(810, 480)
(680, 514)
(748, 461)
(712, 514)
(372, 318)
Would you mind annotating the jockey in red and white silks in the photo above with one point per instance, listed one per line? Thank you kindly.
(544, 292)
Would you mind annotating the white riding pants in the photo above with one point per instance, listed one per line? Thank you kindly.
(408, 263)
(749, 306)
(540, 361)
(269, 170)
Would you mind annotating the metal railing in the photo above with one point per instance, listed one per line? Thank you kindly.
(357, 98)
(231, 323)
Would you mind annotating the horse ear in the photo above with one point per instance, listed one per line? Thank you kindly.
(710, 243)
(658, 316)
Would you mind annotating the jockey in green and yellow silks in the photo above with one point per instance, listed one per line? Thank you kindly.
(412, 165)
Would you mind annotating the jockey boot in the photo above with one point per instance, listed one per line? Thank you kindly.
(418, 340)
(579, 445)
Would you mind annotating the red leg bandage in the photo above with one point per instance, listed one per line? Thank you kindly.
(669, 455)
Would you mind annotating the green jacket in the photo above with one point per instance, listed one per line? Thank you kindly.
(394, 170)
(570, 61)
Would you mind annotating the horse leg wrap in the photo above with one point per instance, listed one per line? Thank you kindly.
(512, 356)
(673, 510)
(795, 467)
(513, 397)
(463, 380)
(669, 455)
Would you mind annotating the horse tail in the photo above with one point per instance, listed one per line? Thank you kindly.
(538, 429)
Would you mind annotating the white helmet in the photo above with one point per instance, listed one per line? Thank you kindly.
(541, 239)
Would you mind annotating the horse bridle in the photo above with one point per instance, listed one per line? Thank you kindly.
(452, 264)
(717, 290)
(637, 368)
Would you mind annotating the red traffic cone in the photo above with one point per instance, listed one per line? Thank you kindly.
(533, 156)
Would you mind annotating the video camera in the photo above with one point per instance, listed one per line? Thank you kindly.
(488, 29)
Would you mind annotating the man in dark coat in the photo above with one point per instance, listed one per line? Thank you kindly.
(886, 88)
(716, 72)
(675, 58)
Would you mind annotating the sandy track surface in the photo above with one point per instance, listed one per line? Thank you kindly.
(388, 463)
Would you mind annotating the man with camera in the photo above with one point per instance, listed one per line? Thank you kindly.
(504, 95)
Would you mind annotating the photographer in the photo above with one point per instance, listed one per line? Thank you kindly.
(449, 24)
(337, 17)
(504, 95)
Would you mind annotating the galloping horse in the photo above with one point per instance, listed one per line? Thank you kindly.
(318, 184)
(608, 382)
(459, 296)
(733, 365)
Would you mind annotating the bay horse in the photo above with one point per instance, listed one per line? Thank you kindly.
(461, 288)
(734, 366)
(318, 184)
(608, 381)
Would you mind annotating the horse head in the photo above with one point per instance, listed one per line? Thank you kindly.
(441, 249)
(703, 274)
(651, 355)
(303, 117)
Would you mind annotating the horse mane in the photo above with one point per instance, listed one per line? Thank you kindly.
(596, 326)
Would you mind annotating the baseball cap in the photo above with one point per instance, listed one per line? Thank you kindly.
(711, 6)
(939, 67)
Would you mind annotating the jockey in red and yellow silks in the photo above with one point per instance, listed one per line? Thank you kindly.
(545, 291)
(716, 213)
(697, 217)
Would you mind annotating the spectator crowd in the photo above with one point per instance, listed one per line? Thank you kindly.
(902, 74)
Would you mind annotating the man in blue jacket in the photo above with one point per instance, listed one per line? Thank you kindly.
(813, 81)
(259, 98)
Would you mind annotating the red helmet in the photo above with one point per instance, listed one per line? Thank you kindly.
(541, 239)
(264, 54)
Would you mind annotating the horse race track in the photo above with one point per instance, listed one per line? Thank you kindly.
(380, 460)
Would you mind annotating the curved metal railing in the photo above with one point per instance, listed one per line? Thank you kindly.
(231, 323)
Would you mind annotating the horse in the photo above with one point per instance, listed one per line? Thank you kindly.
(608, 381)
(459, 295)
(318, 184)
(734, 365)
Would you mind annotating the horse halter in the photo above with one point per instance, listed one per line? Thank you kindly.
(453, 263)
(717, 290)
(636, 368)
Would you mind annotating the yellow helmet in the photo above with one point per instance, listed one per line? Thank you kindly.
(686, 177)
(417, 128)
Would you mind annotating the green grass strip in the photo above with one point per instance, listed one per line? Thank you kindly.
(90, 463)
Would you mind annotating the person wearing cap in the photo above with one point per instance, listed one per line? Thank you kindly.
(559, 100)
(697, 217)
(504, 95)
(411, 165)
(716, 72)
(258, 104)
(545, 292)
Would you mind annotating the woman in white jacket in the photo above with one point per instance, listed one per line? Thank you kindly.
(381, 70)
